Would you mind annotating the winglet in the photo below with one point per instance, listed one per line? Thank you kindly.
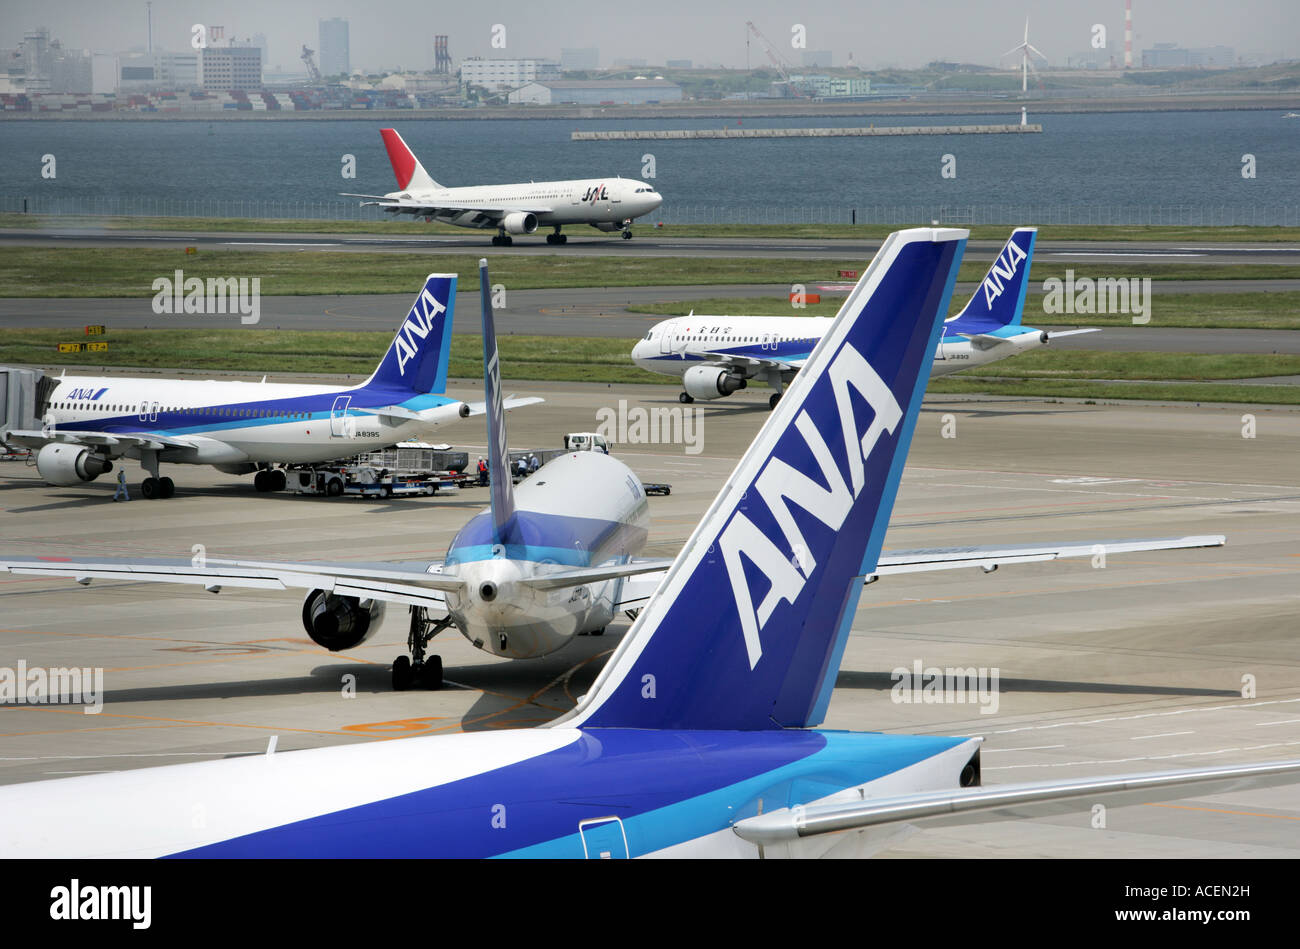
(748, 628)
(503, 492)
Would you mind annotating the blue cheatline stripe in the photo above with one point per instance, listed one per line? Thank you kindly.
(875, 542)
(666, 787)
(539, 537)
(526, 552)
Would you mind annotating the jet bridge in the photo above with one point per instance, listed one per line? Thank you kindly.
(24, 395)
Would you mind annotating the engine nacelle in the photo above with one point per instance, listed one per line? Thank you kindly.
(66, 465)
(340, 622)
(710, 382)
(519, 222)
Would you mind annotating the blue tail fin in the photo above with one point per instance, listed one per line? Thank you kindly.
(999, 300)
(748, 627)
(416, 360)
(503, 492)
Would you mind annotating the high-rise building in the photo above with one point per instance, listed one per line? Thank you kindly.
(224, 68)
(335, 59)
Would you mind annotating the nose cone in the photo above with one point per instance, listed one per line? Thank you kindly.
(656, 199)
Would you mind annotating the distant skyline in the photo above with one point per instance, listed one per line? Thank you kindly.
(399, 33)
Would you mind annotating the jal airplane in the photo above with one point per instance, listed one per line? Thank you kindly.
(699, 738)
(556, 558)
(607, 204)
(244, 427)
(718, 355)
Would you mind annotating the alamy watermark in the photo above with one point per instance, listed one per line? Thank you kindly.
(37, 685)
(181, 294)
(1102, 295)
(930, 685)
(677, 425)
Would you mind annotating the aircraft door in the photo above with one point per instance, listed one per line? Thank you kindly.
(342, 425)
(603, 838)
(666, 339)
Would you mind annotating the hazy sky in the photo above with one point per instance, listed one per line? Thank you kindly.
(393, 33)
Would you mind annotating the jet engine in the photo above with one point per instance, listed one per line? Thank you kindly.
(66, 465)
(340, 622)
(710, 382)
(519, 222)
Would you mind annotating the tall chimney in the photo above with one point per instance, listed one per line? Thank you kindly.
(1128, 34)
(149, 19)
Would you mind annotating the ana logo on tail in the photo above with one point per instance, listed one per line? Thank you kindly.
(419, 322)
(781, 484)
(1004, 268)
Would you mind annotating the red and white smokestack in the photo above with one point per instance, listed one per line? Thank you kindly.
(1128, 34)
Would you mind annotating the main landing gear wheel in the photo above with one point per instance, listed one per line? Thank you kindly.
(277, 479)
(776, 397)
(166, 488)
(428, 669)
(403, 674)
(502, 240)
(627, 235)
(685, 398)
(149, 489)
(557, 238)
(262, 481)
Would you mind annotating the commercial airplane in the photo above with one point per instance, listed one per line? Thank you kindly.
(242, 427)
(607, 204)
(718, 355)
(699, 736)
(544, 563)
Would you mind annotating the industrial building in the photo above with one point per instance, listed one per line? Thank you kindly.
(222, 68)
(498, 75)
(597, 92)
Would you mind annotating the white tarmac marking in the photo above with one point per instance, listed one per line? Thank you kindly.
(1288, 721)
(1129, 718)
(989, 751)
(1097, 253)
(1161, 735)
(1181, 754)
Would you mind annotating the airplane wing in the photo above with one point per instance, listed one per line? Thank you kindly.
(636, 591)
(737, 361)
(426, 208)
(1011, 801)
(35, 438)
(510, 402)
(573, 578)
(408, 582)
(990, 558)
(1060, 333)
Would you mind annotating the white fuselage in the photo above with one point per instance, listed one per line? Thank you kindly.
(583, 509)
(231, 423)
(671, 347)
(581, 201)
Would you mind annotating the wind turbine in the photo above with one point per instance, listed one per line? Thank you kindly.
(1026, 64)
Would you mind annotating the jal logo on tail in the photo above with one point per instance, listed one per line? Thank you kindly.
(418, 325)
(823, 493)
(1004, 268)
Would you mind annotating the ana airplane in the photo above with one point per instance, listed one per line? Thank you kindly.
(244, 427)
(607, 204)
(718, 355)
(554, 559)
(698, 737)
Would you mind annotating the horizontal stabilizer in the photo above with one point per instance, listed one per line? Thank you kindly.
(1012, 801)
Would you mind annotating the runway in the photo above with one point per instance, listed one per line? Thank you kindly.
(604, 312)
(1135, 665)
(646, 243)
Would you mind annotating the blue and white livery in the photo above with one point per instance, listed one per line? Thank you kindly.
(698, 738)
(718, 355)
(244, 427)
(546, 561)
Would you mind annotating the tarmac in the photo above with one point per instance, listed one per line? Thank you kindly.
(1141, 662)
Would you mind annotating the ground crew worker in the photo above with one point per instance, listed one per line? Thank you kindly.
(482, 472)
(121, 494)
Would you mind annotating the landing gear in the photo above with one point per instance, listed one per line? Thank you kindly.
(154, 487)
(627, 235)
(269, 479)
(776, 397)
(502, 240)
(685, 398)
(557, 237)
(427, 669)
